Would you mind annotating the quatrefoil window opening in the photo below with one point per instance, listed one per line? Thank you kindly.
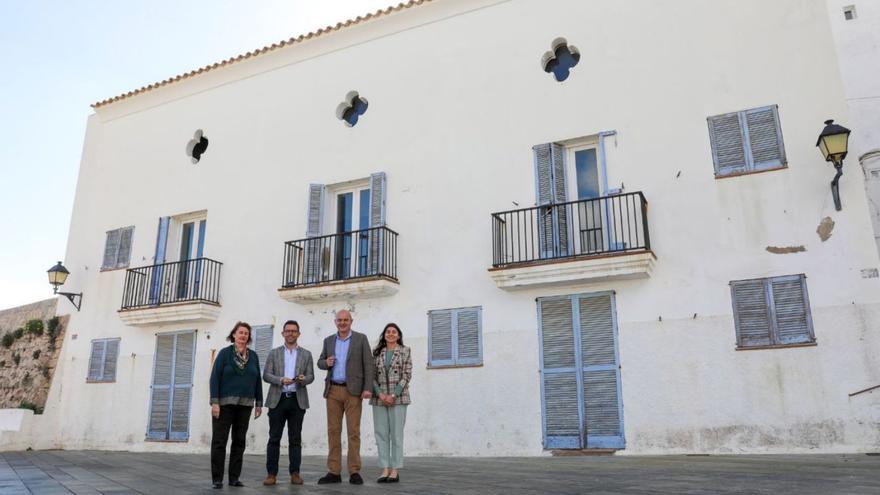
(560, 59)
(350, 110)
(196, 146)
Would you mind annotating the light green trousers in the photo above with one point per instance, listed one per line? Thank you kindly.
(388, 425)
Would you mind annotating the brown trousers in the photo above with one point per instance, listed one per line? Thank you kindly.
(339, 403)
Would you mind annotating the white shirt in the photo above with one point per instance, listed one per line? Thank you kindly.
(290, 368)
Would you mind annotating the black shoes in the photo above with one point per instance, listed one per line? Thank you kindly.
(331, 478)
(217, 485)
(236, 483)
(383, 479)
(393, 480)
(355, 479)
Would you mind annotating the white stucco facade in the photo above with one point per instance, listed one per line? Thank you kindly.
(457, 99)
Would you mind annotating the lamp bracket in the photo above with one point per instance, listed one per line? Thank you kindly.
(75, 299)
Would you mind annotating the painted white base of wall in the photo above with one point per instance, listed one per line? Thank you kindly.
(21, 429)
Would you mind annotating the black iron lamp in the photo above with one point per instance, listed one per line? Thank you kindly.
(57, 276)
(833, 143)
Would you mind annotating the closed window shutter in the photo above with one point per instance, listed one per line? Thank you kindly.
(123, 255)
(376, 260)
(160, 397)
(765, 137)
(601, 401)
(111, 248)
(96, 360)
(468, 324)
(159, 258)
(440, 329)
(550, 189)
(559, 375)
(262, 342)
(312, 261)
(111, 356)
(751, 312)
(726, 137)
(791, 310)
(184, 355)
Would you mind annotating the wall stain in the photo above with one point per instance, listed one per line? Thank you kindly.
(786, 249)
(824, 229)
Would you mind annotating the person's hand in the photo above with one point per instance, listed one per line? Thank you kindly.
(215, 410)
(389, 400)
(301, 378)
(331, 360)
(286, 381)
(381, 397)
(257, 412)
(366, 394)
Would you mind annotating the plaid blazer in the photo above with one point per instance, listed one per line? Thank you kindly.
(399, 373)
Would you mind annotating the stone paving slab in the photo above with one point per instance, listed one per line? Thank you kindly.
(90, 472)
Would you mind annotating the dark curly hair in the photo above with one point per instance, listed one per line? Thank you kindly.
(231, 336)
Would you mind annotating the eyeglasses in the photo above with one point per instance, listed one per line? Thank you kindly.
(342, 320)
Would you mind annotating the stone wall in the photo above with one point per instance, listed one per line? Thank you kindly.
(27, 382)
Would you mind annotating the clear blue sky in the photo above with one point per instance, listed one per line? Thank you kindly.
(59, 56)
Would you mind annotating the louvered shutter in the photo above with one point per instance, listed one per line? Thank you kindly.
(111, 356)
(726, 138)
(184, 357)
(160, 396)
(123, 255)
(440, 330)
(96, 360)
(111, 248)
(765, 138)
(468, 322)
(312, 262)
(791, 310)
(601, 372)
(550, 189)
(161, 241)
(262, 342)
(751, 312)
(376, 258)
(559, 375)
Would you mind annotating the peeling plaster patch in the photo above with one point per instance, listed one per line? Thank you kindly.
(785, 250)
(870, 273)
(824, 229)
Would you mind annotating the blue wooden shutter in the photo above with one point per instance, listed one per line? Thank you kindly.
(559, 377)
(160, 396)
(181, 399)
(111, 249)
(161, 240)
(727, 139)
(314, 219)
(751, 312)
(791, 310)
(261, 342)
(96, 360)
(765, 138)
(601, 379)
(376, 258)
(200, 252)
(123, 255)
(440, 337)
(111, 356)
(468, 323)
(550, 189)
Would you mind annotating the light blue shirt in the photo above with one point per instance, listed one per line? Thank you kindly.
(290, 368)
(341, 353)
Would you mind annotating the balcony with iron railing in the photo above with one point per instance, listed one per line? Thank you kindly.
(360, 263)
(582, 241)
(178, 291)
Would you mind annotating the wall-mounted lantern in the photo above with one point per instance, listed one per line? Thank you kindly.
(57, 276)
(833, 143)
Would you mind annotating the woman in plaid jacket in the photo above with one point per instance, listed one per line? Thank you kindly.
(390, 398)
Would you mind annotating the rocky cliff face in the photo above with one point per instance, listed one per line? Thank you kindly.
(30, 342)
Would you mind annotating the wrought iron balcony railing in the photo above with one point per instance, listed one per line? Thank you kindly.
(179, 281)
(344, 256)
(588, 227)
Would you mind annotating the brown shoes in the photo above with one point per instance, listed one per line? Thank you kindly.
(295, 479)
(270, 480)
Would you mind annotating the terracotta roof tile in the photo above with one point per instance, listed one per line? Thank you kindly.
(266, 49)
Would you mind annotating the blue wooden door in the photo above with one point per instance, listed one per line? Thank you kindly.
(580, 372)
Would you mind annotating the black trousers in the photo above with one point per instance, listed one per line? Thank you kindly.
(287, 411)
(236, 418)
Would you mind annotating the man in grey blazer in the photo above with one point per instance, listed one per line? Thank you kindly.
(288, 370)
(349, 363)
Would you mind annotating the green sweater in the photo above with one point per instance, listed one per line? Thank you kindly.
(228, 387)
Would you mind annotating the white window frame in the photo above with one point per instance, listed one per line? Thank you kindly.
(455, 361)
(101, 377)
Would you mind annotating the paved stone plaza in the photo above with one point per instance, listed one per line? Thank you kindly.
(92, 472)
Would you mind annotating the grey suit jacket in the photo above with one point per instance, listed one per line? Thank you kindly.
(273, 372)
(359, 368)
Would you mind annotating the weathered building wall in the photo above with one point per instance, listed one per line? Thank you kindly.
(457, 100)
